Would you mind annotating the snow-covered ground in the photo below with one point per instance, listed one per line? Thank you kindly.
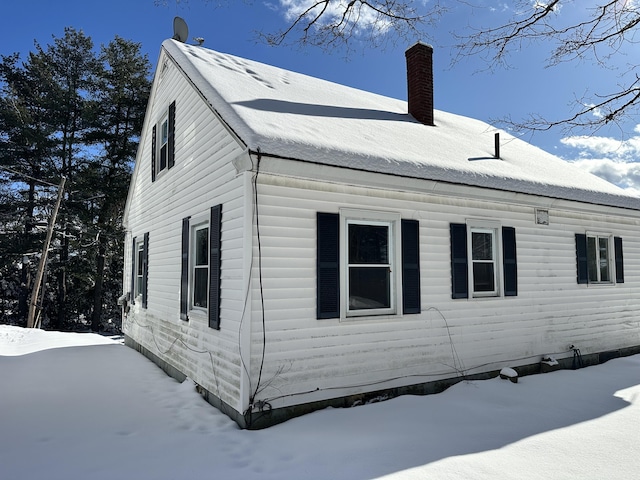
(96, 409)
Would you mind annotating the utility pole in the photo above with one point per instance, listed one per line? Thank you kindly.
(43, 258)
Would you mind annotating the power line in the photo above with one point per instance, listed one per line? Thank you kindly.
(28, 176)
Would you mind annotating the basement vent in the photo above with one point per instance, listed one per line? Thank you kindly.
(163, 70)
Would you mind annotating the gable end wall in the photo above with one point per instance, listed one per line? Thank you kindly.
(203, 176)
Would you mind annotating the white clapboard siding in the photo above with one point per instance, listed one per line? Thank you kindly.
(203, 176)
(330, 358)
(268, 272)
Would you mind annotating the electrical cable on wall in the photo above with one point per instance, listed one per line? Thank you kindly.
(259, 244)
(262, 405)
(130, 320)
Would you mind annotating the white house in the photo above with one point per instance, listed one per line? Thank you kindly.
(294, 244)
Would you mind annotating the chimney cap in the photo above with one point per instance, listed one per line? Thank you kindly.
(419, 44)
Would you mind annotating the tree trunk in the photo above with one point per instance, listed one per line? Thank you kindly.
(62, 285)
(28, 227)
(97, 293)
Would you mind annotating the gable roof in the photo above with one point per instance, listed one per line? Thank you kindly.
(291, 115)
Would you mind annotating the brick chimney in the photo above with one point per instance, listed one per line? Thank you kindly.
(420, 82)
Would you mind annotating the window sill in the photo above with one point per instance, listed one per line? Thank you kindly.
(371, 318)
(486, 298)
(160, 174)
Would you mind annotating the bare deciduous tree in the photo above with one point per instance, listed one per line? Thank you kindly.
(602, 32)
(334, 23)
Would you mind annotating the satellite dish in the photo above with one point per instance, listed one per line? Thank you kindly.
(180, 30)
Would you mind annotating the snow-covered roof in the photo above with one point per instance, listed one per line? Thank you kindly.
(296, 116)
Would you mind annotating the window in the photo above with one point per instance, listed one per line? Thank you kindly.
(164, 139)
(370, 280)
(139, 269)
(200, 274)
(201, 266)
(163, 143)
(599, 258)
(483, 260)
(367, 281)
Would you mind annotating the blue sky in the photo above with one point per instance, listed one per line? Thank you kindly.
(230, 26)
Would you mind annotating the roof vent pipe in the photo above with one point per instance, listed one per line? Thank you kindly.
(420, 82)
(496, 140)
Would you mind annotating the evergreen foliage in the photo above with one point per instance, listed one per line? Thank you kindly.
(75, 111)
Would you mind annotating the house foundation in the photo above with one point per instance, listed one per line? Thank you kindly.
(266, 417)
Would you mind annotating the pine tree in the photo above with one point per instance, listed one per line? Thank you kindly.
(121, 97)
(68, 111)
(25, 156)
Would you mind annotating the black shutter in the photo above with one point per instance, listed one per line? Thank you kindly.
(215, 228)
(153, 154)
(459, 267)
(171, 141)
(582, 265)
(509, 264)
(410, 266)
(145, 268)
(328, 265)
(184, 271)
(617, 244)
(134, 271)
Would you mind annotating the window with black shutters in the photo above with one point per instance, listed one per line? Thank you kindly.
(201, 266)
(163, 143)
(483, 260)
(367, 264)
(599, 258)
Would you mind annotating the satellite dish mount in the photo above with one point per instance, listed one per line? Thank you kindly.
(180, 30)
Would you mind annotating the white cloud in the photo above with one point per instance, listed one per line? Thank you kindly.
(617, 161)
(363, 18)
(597, 112)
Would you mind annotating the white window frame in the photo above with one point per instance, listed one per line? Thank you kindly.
(162, 142)
(367, 217)
(197, 226)
(495, 229)
(139, 269)
(610, 258)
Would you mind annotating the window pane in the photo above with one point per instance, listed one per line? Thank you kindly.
(592, 259)
(483, 278)
(369, 288)
(482, 245)
(163, 157)
(603, 244)
(368, 244)
(139, 269)
(202, 247)
(164, 132)
(139, 260)
(200, 284)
